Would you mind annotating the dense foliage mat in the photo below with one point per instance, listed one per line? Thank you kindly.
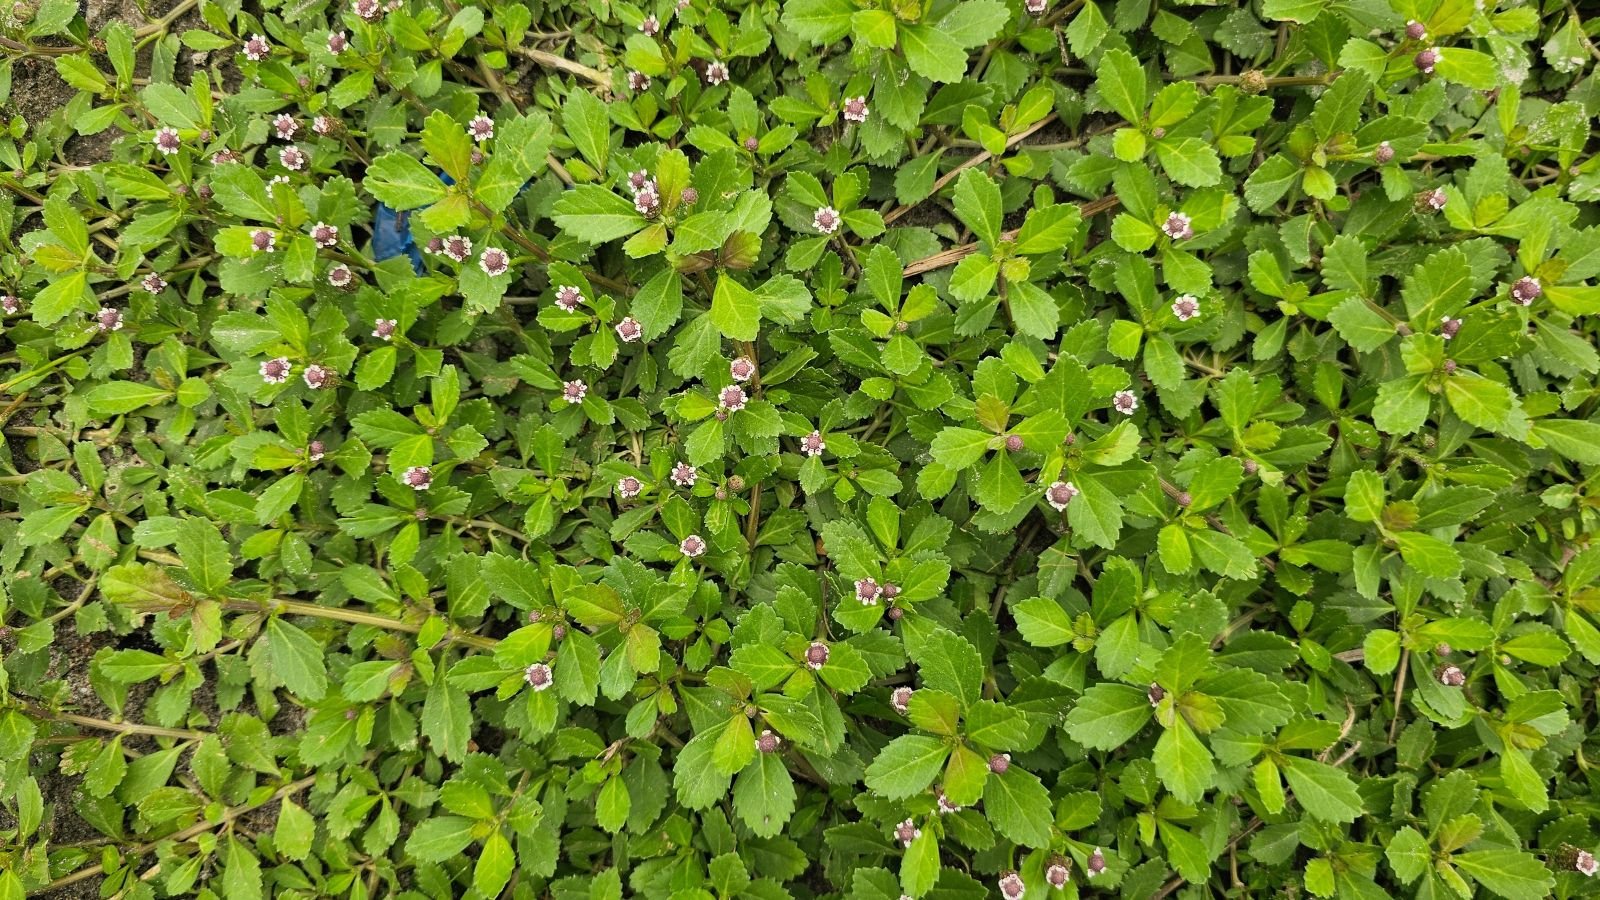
(820, 448)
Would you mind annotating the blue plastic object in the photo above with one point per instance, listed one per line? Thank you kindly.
(391, 232)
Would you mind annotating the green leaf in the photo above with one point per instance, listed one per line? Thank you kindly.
(764, 795)
(296, 659)
(734, 310)
(1019, 807)
(1043, 623)
(440, 838)
(906, 766)
(1108, 715)
(1325, 792)
(1121, 83)
(978, 205)
(932, 53)
(1512, 874)
(1189, 161)
(595, 215)
(585, 121)
(402, 182)
(1183, 762)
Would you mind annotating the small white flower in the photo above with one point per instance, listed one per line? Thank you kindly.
(568, 297)
(813, 444)
(855, 109)
(276, 370)
(317, 377)
(418, 478)
(1177, 226)
(339, 275)
(538, 676)
(1059, 494)
(457, 247)
(325, 235)
(494, 262)
(1186, 307)
(293, 158)
(692, 546)
(868, 591)
(107, 319)
(263, 241)
(1125, 402)
(286, 126)
(684, 475)
(907, 832)
(629, 487)
(153, 283)
(900, 699)
(629, 330)
(732, 398)
(716, 73)
(384, 329)
(742, 369)
(826, 220)
(481, 128)
(167, 141)
(574, 391)
(256, 48)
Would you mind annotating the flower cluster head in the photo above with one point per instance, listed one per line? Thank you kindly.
(1125, 402)
(481, 128)
(167, 141)
(813, 444)
(315, 451)
(855, 109)
(107, 319)
(1058, 872)
(1526, 290)
(574, 391)
(1384, 153)
(418, 478)
(716, 72)
(638, 81)
(494, 262)
(742, 369)
(1425, 60)
(256, 48)
(767, 742)
(263, 241)
(1036, 7)
(569, 297)
(456, 246)
(1416, 31)
(816, 655)
(1449, 328)
(650, 26)
(323, 125)
(370, 10)
(337, 42)
(900, 699)
(684, 475)
(9, 304)
(732, 398)
(906, 832)
(1436, 199)
(1585, 864)
(1096, 863)
(1186, 307)
(647, 202)
(629, 487)
(286, 126)
(325, 235)
(1177, 226)
(293, 158)
(276, 370)
(1011, 886)
(1059, 494)
(153, 283)
(538, 676)
(340, 276)
(692, 546)
(868, 591)
(317, 376)
(629, 330)
(826, 220)
(1000, 763)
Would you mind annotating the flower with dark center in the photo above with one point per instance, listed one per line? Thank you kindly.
(1059, 494)
(1383, 154)
(1425, 60)
(153, 283)
(629, 487)
(315, 451)
(629, 330)
(292, 158)
(322, 125)
(868, 592)
(1011, 886)
(325, 235)
(742, 369)
(1526, 290)
(1096, 863)
(1451, 676)
(900, 699)
(1186, 307)
(692, 546)
(317, 376)
(1585, 864)
(367, 9)
(716, 73)
(458, 247)
(1436, 199)
(286, 126)
(1416, 31)
(638, 181)
(538, 676)
(647, 202)
(945, 807)
(1036, 8)
(220, 158)
(418, 478)
(10, 305)
(1125, 402)
(107, 319)
(256, 48)
(1448, 327)
(569, 297)
(826, 220)
(574, 391)
(906, 832)
(684, 475)
(435, 244)
(650, 26)
(263, 241)
(732, 398)
(813, 444)
(337, 42)
(855, 109)
(1156, 693)
(481, 128)
(752, 144)
(638, 81)
(340, 276)
(688, 196)
(167, 141)
(1059, 870)
(816, 655)
(767, 742)
(276, 370)
(1000, 763)
(1014, 443)
(494, 262)
(1177, 226)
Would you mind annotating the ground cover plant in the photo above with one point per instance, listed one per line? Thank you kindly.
(818, 448)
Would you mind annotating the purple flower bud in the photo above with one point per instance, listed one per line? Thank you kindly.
(276, 371)
(716, 73)
(337, 42)
(1425, 60)
(481, 128)
(1156, 693)
(1058, 872)
(1415, 30)
(689, 196)
(742, 369)
(494, 262)
(629, 487)
(1000, 763)
(767, 742)
(906, 832)
(732, 398)
(1383, 154)
(1014, 443)
(1059, 494)
(1451, 676)
(752, 144)
(826, 220)
(684, 475)
(418, 478)
(1526, 290)
(813, 444)
(574, 391)
(108, 319)
(900, 699)
(324, 235)
(629, 330)
(1096, 863)
(638, 82)
(256, 48)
